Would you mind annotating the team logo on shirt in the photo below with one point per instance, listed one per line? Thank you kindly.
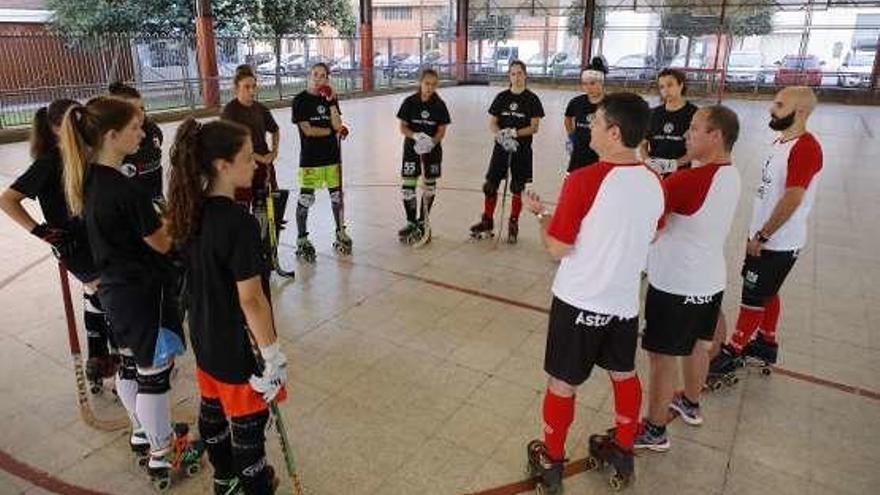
(698, 299)
(322, 109)
(668, 127)
(425, 114)
(128, 169)
(513, 106)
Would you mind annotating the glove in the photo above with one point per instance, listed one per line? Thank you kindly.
(424, 144)
(327, 92)
(569, 144)
(343, 131)
(663, 166)
(63, 244)
(507, 139)
(274, 375)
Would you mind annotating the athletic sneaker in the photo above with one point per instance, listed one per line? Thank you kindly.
(650, 439)
(689, 414)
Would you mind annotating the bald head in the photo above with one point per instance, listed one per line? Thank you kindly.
(791, 108)
(800, 98)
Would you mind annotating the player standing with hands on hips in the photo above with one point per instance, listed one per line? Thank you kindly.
(423, 120)
(226, 265)
(315, 112)
(515, 117)
(606, 218)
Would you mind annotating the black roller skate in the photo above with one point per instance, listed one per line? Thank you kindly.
(605, 451)
(546, 472)
(140, 447)
(762, 353)
(183, 455)
(722, 369)
(305, 250)
(410, 234)
(342, 244)
(512, 230)
(231, 486)
(98, 368)
(425, 233)
(483, 229)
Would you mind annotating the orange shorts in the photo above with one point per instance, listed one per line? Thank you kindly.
(237, 399)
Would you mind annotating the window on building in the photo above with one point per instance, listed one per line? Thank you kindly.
(396, 13)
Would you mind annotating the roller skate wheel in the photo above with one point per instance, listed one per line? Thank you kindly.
(616, 482)
(731, 380)
(162, 485)
(96, 389)
(141, 461)
(592, 463)
(716, 386)
(193, 469)
(766, 371)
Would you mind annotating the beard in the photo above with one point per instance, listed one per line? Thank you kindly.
(781, 123)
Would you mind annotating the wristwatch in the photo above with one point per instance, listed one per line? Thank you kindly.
(761, 236)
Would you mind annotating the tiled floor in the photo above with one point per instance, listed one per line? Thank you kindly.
(403, 384)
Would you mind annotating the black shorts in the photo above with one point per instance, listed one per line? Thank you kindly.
(80, 264)
(578, 339)
(411, 166)
(763, 275)
(520, 166)
(674, 323)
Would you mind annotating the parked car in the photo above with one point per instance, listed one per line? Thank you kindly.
(411, 66)
(255, 59)
(567, 65)
(856, 70)
(499, 60)
(745, 67)
(693, 63)
(639, 67)
(289, 63)
(799, 70)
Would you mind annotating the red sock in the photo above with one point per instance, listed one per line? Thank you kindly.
(627, 404)
(558, 415)
(489, 204)
(771, 317)
(516, 206)
(746, 323)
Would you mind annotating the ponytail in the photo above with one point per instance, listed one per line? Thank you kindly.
(195, 148)
(82, 133)
(43, 138)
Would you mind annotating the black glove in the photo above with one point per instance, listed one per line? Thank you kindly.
(63, 244)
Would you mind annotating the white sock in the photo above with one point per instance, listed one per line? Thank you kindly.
(154, 412)
(127, 392)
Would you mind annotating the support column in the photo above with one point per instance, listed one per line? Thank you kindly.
(718, 40)
(367, 44)
(875, 74)
(461, 39)
(587, 34)
(207, 54)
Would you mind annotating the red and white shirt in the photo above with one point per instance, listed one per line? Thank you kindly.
(794, 163)
(688, 257)
(609, 214)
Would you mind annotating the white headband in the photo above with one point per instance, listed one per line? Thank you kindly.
(589, 74)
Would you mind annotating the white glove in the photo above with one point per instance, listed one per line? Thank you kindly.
(507, 139)
(569, 144)
(663, 166)
(274, 372)
(424, 143)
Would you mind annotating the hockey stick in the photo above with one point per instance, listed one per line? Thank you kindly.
(82, 397)
(426, 232)
(273, 233)
(504, 197)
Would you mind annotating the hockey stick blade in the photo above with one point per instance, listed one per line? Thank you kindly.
(289, 461)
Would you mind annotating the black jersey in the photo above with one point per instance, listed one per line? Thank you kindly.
(666, 133)
(516, 111)
(422, 116)
(43, 181)
(226, 250)
(581, 110)
(315, 109)
(145, 165)
(255, 117)
(118, 215)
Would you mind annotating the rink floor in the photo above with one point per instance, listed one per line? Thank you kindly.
(420, 371)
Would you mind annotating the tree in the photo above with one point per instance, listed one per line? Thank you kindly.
(301, 18)
(494, 28)
(575, 13)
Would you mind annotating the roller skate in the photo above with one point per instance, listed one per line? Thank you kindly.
(410, 234)
(761, 353)
(424, 233)
(183, 455)
(483, 229)
(722, 369)
(230, 486)
(604, 451)
(546, 473)
(512, 230)
(305, 250)
(342, 244)
(140, 447)
(98, 368)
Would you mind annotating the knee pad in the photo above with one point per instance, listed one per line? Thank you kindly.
(154, 383)
(92, 303)
(429, 189)
(128, 368)
(517, 187)
(490, 188)
(280, 196)
(249, 443)
(336, 196)
(408, 193)
(213, 426)
(306, 200)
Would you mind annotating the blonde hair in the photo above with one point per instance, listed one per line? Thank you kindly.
(82, 135)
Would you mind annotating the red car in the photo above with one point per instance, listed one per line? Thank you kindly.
(799, 70)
